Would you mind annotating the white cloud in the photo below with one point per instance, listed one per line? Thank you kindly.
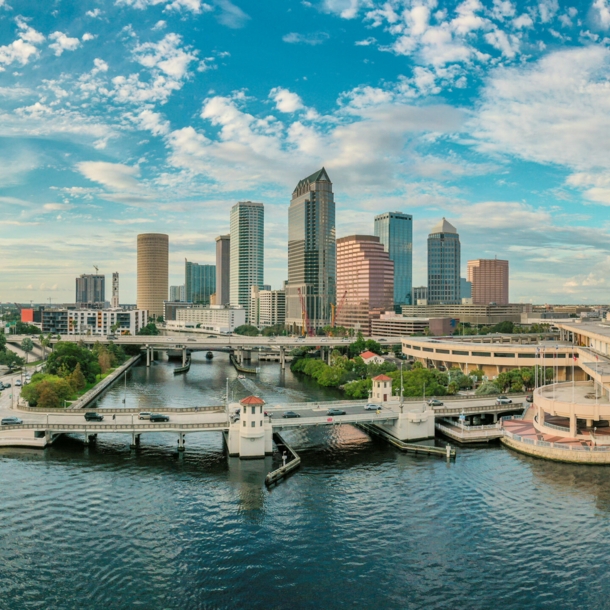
(166, 56)
(556, 110)
(313, 39)
(153, 122)
(24, 48)
(601, 11)
(87, 36)
(94, 14)
(285, 100)
(348, 9)
(53, 207)
(113, 175)
(231, 15)
(63, 43)
(366, 42)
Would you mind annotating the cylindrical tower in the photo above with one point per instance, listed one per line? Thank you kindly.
(153, 254)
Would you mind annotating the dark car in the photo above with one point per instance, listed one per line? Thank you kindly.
(11, 421)
(158, 417)
(435, 402)
(94, 417)
(336, 412)
(7, 385)
(290, 414)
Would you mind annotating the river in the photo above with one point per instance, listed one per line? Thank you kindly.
(360, 525)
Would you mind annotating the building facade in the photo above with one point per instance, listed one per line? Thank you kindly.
(420, 293)
(219, 319)
(365, 281)
(153, 257)
(90, 288)
(171, 307)
(311, 253)
(199, 282)
(100, 322)
(489, 280)
(114, 303)
(472, 314)
(223, 269)
(465, 289)
(247, 244)
(267, 307)
(177, 293)
(443, 265)
(395, 232)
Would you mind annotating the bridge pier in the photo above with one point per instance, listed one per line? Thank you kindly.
(282, 358)
(147, 355)
(247, 355)
(184, 356)
(86, 441)
(135, 440)
(181, 441)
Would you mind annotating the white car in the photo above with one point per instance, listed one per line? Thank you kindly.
(503, 400)
(144, 415)
(18, 382)
(371, 407)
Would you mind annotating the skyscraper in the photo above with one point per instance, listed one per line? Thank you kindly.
(199, 282)
(443, 265)
(247, 251)
(223, 269)
(90, 288)
(177, 293)
(395, 232)
(489, 278)
(365, 281)
(311, 252)
(115, 290)
(153, 256)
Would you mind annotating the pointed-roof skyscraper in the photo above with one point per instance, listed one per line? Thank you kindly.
(312, 268)
(444, 265)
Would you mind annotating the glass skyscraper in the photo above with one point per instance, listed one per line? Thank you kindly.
(395, 232)
(199, 282)
(311, 251)
(444, 265)
(247, 263)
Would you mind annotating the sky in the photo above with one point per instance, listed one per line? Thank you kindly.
(121, 117)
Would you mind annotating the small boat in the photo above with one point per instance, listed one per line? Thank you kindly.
(241, 377)
(209, 355)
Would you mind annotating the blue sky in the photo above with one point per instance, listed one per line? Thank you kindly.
(130, 116)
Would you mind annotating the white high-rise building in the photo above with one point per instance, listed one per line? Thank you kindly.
(115, 290)
(247, 251)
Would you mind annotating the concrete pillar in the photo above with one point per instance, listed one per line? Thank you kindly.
(135, 440)
(589, 423)
(495, 418)
(181, 441)
(247, 354)
(147, 355)
(282, 358)
(573, 430)
(86, 442)
(183, 356)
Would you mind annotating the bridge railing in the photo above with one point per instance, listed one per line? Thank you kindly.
(562, 446)
(92, 426)
(370, 417)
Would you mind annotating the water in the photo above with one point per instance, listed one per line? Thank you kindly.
(360, 525)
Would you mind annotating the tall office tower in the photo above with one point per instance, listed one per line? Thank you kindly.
(90, 288)
(247, 251)
(444, 265)
(395, 232)
(177, 294)
(153, 266)
(420, 293)
(489, 278)
(199, 282)
(365, 281)
(223, 269)
(312, 268)
(115, 290)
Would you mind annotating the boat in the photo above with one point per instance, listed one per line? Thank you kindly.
(241, 377)
(183, 369)
(209, 355)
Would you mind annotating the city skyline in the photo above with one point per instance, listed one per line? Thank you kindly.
(124, 119)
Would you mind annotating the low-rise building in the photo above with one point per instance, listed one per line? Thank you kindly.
(372, 358)
(391, 325)
(93, 321)
(171, 307)
(219, 319)
(472, 314)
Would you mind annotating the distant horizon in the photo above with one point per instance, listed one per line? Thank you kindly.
(137, 116)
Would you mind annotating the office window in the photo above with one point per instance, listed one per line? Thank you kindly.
(253, 424)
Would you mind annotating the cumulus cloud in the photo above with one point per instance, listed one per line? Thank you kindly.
(113, 175)
(601, 12)
(63, 43)
(285, 100)
(23, 49)
(231, 15)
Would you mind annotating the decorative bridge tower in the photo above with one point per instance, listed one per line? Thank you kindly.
(251, 436)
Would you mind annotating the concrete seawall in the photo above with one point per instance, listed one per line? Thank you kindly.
(600, 458)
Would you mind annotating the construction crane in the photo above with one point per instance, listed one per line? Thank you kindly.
(336, 309)
(305, 318)
(97, 269)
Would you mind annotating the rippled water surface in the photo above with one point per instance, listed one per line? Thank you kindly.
(360, 525)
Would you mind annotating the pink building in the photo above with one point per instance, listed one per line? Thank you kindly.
(365, 281)
(489, 279)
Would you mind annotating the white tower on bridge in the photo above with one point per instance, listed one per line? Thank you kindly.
(251, 436)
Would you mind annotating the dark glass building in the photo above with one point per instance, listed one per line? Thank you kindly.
(444, 265)
(199, 282)
(311, 252)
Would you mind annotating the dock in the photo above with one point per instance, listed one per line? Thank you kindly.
(283, 471)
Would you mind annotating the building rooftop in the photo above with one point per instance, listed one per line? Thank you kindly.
(318, 176)
(382, 378)
(443, 227)
(252, 400)
(367, 355)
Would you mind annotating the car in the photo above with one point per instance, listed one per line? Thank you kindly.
(529, 398)
(191, 339)
(11, 421)
(144, 415)
(371, 406)
(91, 416)
(435, 402)
(336, 412)
(503, 400)
(110, 337)
(7, 385)
(18, 382)
(211, 336)
(290, 415)
(158, 417)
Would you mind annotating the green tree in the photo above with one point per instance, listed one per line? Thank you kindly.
(47, 397)
(77, 379)
(246, 330)
(65, 356)
(149, 329)
(487, 388)
(27, 345)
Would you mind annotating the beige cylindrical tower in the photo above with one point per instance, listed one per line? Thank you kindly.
(153, 254)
